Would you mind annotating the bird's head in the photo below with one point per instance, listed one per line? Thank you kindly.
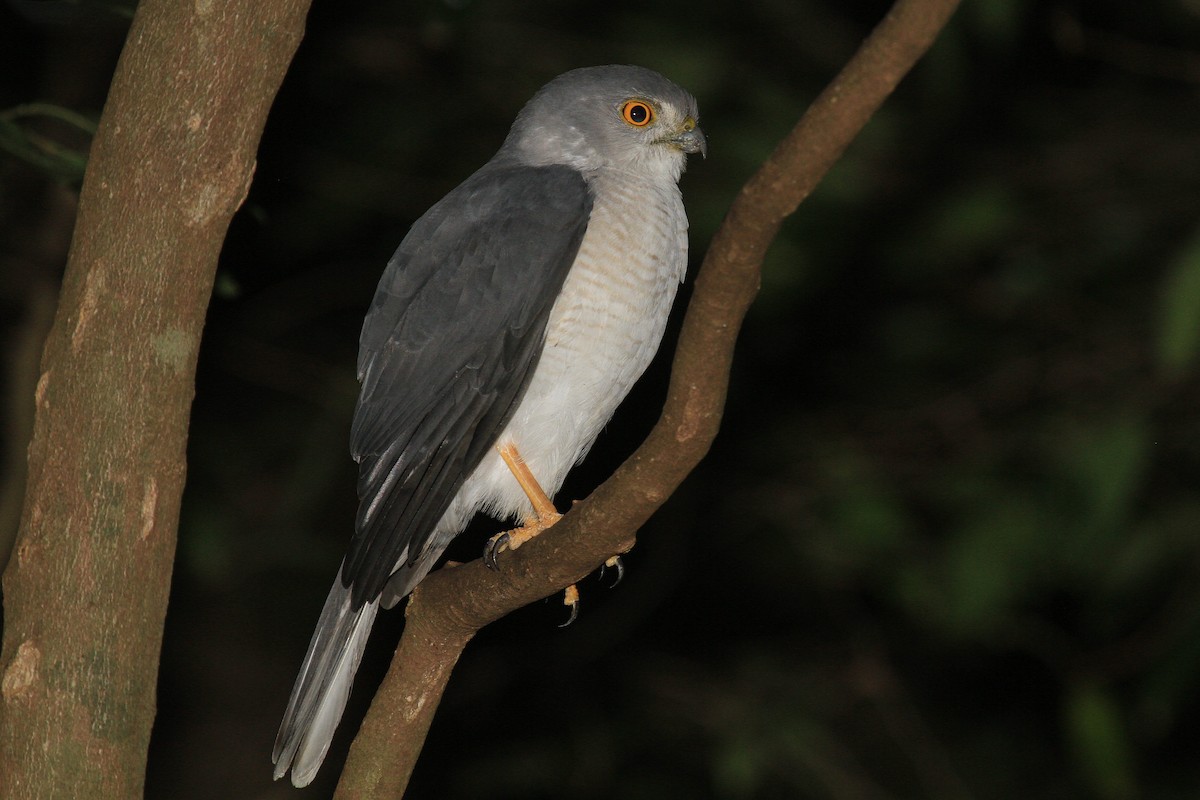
(614, 117)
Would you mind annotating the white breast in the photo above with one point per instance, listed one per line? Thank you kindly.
(603, 331)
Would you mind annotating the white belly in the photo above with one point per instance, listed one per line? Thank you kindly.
(603, 331)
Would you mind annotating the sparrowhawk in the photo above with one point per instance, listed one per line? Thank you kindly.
(513, 319)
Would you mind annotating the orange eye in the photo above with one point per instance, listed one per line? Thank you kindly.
(637, 113)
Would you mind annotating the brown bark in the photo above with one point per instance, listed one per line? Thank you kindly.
(86, 590)
(452, 604)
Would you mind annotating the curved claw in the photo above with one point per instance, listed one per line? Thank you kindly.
(492, 548)
(571, 598)
(573, 617)
(615, 561)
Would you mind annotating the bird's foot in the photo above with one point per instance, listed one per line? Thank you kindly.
(571, 599)
(511, 540)
(571, 593)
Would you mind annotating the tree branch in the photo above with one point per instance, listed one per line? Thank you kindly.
(86, 590)
(451, 605)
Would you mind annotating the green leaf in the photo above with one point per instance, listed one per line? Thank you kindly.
(1096, 732)
(1179, 323)
(992, 562)
(1107, 461)
(39, 150)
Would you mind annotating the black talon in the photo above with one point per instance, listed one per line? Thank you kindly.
(574, 614)
(493, 547)
(615, 561)
(571, 598)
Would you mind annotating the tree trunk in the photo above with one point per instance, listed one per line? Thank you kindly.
(86, 590)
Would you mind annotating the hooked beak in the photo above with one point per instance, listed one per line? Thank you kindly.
(691, 139)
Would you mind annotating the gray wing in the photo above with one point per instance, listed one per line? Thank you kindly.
(447, 349)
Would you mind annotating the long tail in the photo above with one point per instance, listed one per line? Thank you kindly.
(323, 686)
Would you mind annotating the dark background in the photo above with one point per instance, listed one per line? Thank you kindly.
(947, 544)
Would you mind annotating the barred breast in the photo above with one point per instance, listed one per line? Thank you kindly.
(603, 331)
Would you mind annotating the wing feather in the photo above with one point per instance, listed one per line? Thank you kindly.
(447, 349)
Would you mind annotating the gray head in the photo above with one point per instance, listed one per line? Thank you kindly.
(598, 118)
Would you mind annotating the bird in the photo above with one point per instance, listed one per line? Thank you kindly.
(513, 319)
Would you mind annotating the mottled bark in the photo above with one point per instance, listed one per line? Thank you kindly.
(86, 589)
(452, 604)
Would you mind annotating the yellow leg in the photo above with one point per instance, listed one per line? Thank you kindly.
(544, 515)
(543, 508)
(544, 512)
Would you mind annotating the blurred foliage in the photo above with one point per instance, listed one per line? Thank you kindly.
(947, 544)
(43, 152)
(1179, 334)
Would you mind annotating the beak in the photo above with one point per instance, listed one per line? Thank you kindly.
(691, 139)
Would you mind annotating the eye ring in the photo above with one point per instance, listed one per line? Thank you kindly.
(637, 113)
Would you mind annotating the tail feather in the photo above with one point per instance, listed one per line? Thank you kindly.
(323, 686)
